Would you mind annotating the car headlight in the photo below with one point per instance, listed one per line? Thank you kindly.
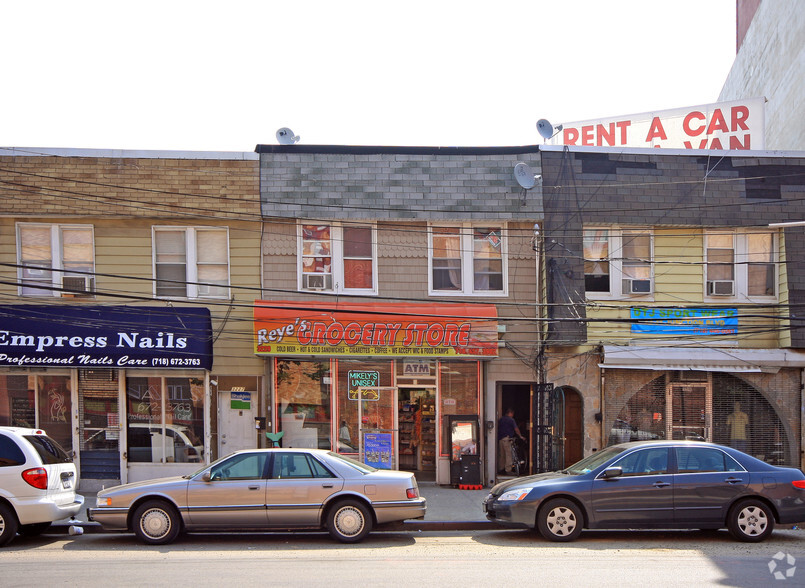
(514, 495)
(103, 501)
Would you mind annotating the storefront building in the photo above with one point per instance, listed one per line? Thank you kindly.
(672, 301)
(423, 243)
(124, 388)
(380, 382)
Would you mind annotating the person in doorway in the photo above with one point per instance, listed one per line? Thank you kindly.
(738, 422)
(507, 430)
(343, 432)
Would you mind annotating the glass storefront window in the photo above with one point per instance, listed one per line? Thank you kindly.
(460, 394)
(19, 408)
(54, 409)
(165, 419)
(303, 403)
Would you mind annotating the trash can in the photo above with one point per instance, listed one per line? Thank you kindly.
(465, 462)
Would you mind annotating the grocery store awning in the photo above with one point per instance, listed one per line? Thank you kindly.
(700, 359)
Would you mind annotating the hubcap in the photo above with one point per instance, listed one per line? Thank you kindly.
(561, 521)
(2, 525)
(155, 523)
(349, 521)
(752, 520)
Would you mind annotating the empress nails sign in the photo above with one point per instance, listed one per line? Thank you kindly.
(739, 124)
(381, 329)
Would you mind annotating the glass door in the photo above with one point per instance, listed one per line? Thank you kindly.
(690, 412)
(377, 415)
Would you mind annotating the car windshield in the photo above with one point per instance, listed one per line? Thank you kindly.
(593, 461)
(353, 463)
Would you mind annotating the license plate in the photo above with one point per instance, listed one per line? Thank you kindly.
(67, 481)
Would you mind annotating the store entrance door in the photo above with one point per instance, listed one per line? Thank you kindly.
(417, 415)
(689, 409)
(377, 415)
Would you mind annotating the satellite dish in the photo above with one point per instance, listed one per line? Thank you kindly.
(546, 129)
(286, 137)
(524, 176)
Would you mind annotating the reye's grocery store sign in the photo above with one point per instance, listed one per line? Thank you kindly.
(382, 329)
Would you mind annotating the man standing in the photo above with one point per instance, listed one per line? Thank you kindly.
(507, 429)
(738, 422)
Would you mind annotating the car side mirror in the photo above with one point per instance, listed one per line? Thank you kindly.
(613, 472)
(205, 477)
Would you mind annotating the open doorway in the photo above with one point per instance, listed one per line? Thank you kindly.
(518, 398)
(417, 424)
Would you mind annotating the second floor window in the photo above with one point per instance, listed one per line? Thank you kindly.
(338, 257)
(467, 259)
(740, 264)
(56, 259)
(191, 262)
(618, 262)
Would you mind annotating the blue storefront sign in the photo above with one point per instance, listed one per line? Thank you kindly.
(685, 321)
(105, 337)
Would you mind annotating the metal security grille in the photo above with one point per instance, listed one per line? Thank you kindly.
(717, 407)
(542, 417)
(99, 424)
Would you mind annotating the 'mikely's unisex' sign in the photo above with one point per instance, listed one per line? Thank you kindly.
(381, 329)
(739, 124)
(105, 337)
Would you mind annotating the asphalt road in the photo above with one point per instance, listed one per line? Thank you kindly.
(483, 558)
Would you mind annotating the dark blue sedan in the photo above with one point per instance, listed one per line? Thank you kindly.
(654, 485)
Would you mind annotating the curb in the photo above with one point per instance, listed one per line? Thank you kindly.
(63, 528)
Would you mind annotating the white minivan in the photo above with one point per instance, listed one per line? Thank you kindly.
(38, 482)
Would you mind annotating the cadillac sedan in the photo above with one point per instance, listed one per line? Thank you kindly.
(654, 485)
(264, 489)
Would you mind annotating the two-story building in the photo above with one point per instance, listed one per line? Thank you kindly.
(127, 281)
(673, 302)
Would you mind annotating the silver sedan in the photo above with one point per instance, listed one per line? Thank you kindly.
(260, 489)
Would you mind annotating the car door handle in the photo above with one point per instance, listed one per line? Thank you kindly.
(327, 485)
(661, 484)
(254, 487)
(732, 480)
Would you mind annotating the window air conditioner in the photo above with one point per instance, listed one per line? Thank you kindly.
(77, 286)
(631, 286)
(720, 288)
(316, 282)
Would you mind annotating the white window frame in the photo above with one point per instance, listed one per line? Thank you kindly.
(57, 261)
(336, 258)
(191, 261)
(615, 259)
(467, 258)
(741, 265)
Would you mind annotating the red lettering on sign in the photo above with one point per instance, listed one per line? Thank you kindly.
(352, 334)
(717, 123)
(735, 142)
(605, 135)
(739, 116)
(587, 135)
(571, 136)
(686, 124)
(656, 130)
(622, 126)
(335, 333)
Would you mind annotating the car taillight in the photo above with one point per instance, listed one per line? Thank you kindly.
(799, 484)
(36, 477)
(412, 493)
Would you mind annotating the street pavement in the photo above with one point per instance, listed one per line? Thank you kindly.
(449, 509)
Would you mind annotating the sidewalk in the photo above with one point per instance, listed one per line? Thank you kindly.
(449, 509)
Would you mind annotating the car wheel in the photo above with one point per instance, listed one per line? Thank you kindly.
(560, 520)
(8, 524)
(156, 522)
(751, 521)
(33, 529)
(349, 521)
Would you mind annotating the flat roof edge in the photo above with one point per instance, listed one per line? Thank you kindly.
(125, 153)
(395, 150)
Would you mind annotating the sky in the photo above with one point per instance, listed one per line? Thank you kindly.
(226, 75)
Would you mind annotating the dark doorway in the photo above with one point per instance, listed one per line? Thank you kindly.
(518, 398)
(574, 427)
